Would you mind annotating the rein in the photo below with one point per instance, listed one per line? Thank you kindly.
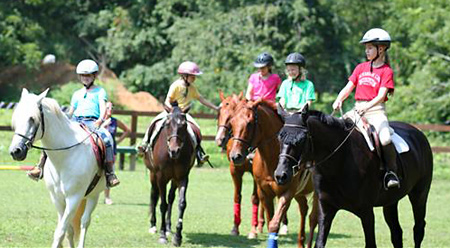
(30, 141)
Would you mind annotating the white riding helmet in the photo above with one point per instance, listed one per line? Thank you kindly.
(87, 66)
(376, 36)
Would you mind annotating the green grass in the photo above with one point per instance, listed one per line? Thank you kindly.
(28, 218)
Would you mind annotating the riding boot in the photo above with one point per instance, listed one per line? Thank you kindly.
(202, 157)
(111, 178)
(37, 172)
(390, 179)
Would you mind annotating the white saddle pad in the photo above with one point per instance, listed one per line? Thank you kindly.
(400, 144)
(159, 126)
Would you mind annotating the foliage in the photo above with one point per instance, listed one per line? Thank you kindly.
(145, 41)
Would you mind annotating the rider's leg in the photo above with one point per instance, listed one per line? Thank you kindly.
(111, 178)
(378, 118)
(390, 158)
(145, 141)
(201, 155)
(37, 172)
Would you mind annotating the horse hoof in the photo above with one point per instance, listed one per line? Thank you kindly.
(234, 231)
(162, 241)
(252, 235)
(176, 241)
(168, 233)
(152, 230)
(283, 230)
(260, 229)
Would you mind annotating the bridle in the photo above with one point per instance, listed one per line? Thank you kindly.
(310, 147)
(29, 140)
(174, 135)
(250, 148)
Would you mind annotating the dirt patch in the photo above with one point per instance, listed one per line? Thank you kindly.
(60, 73)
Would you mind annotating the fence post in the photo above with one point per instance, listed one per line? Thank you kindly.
(134, 121)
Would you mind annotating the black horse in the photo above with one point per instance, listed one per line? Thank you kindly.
(347, 174)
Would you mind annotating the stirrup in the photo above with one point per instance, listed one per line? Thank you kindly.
(391, 180)
(112, 180)
(35, 177)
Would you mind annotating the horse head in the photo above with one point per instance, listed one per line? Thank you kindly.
(295, 144)
(177, 133)
(244, 125)
(27, 123)
(227, 108)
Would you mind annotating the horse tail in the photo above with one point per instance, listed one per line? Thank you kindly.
(76, 222)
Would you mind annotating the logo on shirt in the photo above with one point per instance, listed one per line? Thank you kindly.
(369, 79)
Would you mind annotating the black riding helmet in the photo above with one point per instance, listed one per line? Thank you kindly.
(295, 58)
(264, 59)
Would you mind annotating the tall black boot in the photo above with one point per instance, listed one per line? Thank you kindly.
(201, 155)
(390, 157)
(38, 171)
(111, 178)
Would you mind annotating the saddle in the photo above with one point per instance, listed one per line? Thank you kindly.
(99, 148)
(156, 127)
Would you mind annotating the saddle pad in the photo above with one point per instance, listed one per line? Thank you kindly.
(400, 144)
(158, 128)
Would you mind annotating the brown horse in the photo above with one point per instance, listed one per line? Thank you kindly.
(171, 159)
(227, 109)
(255, 125)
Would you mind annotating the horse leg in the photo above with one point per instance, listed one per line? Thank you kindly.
(261, 219)
(391, 217)
(284, 226)
(418, 198)
(274, 224)
(91, 203)
(303, 208)
(237, 182)
(163, 209)
(171, 197)
(176, 240)
(326, 216)
(154, 194)
(71, 205)
(313, 219)
(368, 222)
(255, 204)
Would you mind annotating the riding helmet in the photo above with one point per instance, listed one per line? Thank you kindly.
(295, 58)
(264, 59)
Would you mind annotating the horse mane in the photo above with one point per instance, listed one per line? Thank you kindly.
(292, 136)
(270, 105)
(344, 124)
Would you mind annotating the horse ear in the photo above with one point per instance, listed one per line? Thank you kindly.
(281, 111)
(221, 95)
(42, 95)
(167, 108)
(241, 94)
(305, 108)
(24, 92)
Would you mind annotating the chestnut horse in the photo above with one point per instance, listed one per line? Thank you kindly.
(347, 174)
(255, 125)
(171, 159)
(227, 109)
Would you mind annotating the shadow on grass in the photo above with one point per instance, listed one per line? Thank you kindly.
(225, 240)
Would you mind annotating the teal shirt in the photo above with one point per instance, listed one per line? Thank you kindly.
(87, 103)
(297, 93)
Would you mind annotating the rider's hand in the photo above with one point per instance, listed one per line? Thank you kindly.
(361, 109)
(98, 122)
(337, 104)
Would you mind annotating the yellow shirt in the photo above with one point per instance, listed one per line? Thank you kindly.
(177, 92)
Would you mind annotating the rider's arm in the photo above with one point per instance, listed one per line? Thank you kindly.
(249, 92)
(125, 130)
(70, 112)
(345, 92)
(102, 106)
(382, 93)
(207, 103)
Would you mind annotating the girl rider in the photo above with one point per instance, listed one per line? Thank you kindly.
(373, 81)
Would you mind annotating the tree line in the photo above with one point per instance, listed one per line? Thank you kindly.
(143, 41)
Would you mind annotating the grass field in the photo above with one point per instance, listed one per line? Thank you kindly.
(28, 218)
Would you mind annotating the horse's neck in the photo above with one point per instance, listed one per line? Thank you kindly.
(59, 132)
(269, 126)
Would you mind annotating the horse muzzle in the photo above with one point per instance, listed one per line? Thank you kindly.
(175, 153)
(237, 158)
(19, 152)
(283, 174)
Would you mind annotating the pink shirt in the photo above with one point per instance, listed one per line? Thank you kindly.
(264, 88)
(368, 84)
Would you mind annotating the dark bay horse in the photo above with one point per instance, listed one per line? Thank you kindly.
(171, 159)
(256, 125)
(227, 110)
(347, 174)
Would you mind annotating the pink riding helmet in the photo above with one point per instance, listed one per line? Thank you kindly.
(188, 67)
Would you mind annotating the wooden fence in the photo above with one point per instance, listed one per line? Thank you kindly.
(135, 114)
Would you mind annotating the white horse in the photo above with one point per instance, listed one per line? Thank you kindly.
(70, 167)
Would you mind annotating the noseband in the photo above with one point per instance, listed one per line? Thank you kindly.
(297, 166)
(30, 138)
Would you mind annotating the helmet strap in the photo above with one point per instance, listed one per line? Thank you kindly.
(373, 60)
